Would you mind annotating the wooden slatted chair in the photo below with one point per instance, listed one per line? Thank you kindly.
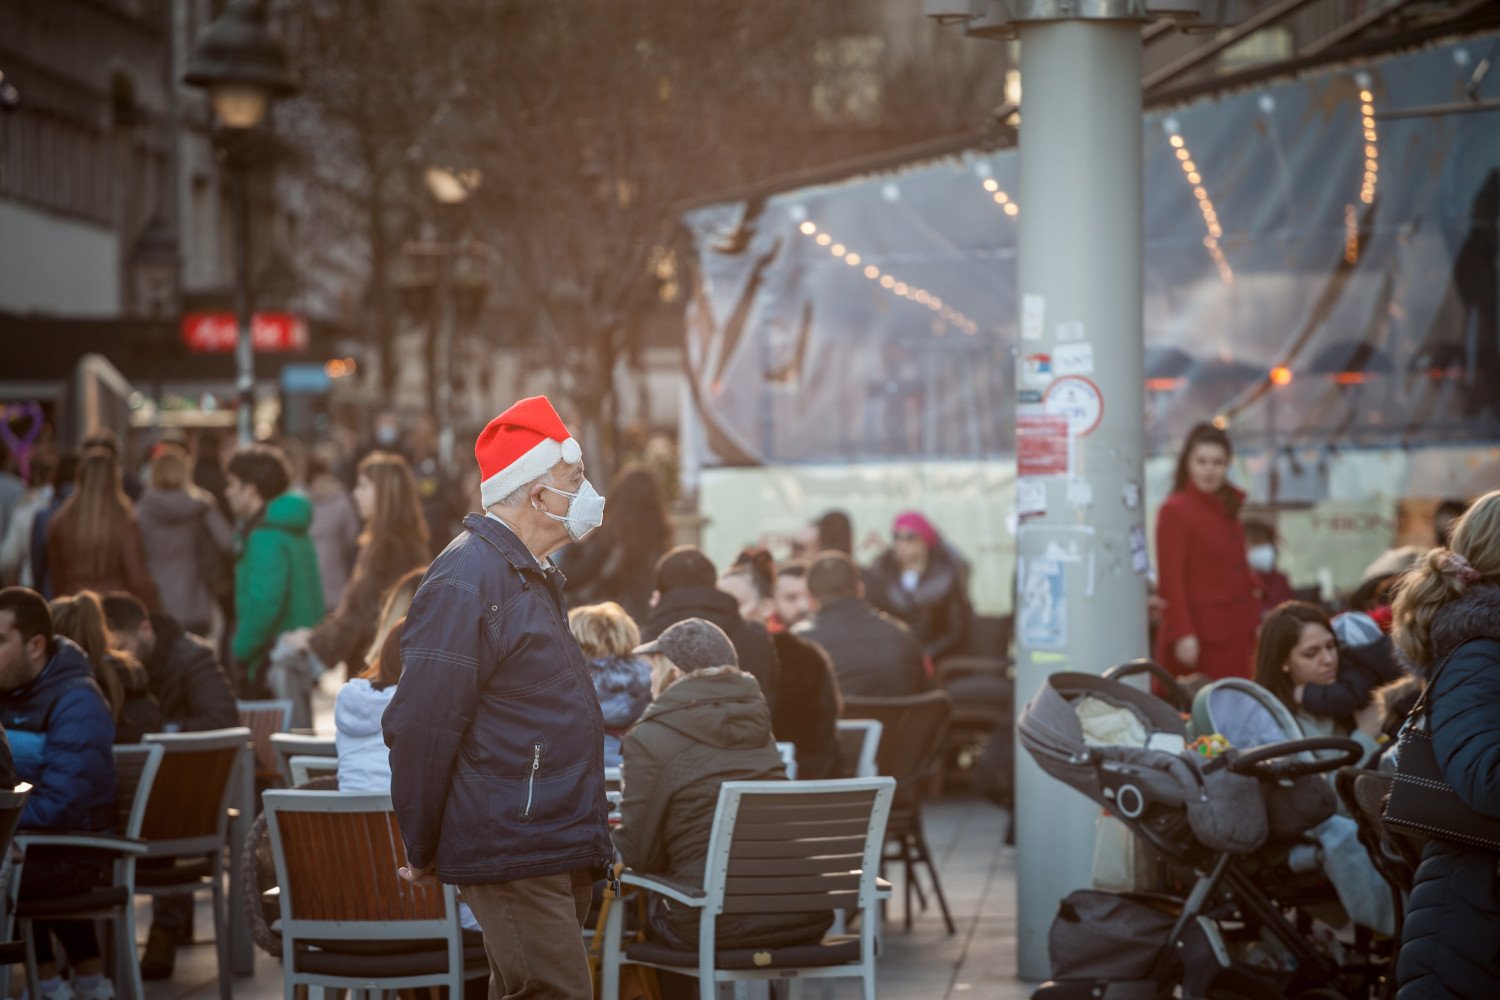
(285, 746)
(135, 770)
(187, 821)
(348, 921)
(911, 751)
(775, 847)
(12, 801)
(264, 719)
(859, 741)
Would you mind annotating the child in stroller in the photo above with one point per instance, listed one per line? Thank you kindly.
(1205, 814)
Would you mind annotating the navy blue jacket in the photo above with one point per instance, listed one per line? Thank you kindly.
(73, 782)
(1450, 938)
(496, 737)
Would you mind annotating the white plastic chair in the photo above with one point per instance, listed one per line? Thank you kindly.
(788, 753)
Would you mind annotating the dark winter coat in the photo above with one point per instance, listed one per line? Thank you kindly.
(276, 584)
(752, 644)
(710, 727)
(1450, 940)
(188, 543)
(129, 573)
(1207, 586)
(496, 737)
(599, 570)
(8, 776)
(623, 684)
(938, 612)
(140, 713)
(73, 780)
(873, 654)
(345, 636)
(807, 707)
(189, 684)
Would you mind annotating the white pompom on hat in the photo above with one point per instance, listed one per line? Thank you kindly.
(521, 445)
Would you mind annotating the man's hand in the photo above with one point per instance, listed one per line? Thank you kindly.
(1186, 650)
(419, 876)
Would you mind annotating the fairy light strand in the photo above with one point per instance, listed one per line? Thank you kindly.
(1001, 197)
(889, 282)
(1215, 231)
(1372, 145)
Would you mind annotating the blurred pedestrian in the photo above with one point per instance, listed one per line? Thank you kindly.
(276, 576)
(492, 689)
(618, 562)
(1271, 585)
(12, 487)
(751, 581)
(1447, 622)
(393, 544)
(64, 480)
(94, 539)
(122, 677)
(923, 581)
(395, 606)
(622, 680)
(208, 469)
(335, 527)
(1210, 613)
(189, 544)
(107, 439)
(15, 548)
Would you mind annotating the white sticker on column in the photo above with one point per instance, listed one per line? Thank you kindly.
(1033, 316)
(1074, 358)
(1031, 497)
(1080, 493)
(1071, 329)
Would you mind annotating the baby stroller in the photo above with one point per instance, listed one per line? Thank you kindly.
(1205, 815)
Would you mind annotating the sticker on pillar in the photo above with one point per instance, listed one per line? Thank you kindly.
(1130, 495)
(1042, 445)
(1073, 359)
(1036, 370)
(1033, 315)
(1069, 330)
(1043, 616)
(1140, 560)
(1080, 493)
(1078, 399)
(1031, 497)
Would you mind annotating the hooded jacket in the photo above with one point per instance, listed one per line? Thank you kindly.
(496, 737)
(752, 644)
(73, 779)
(191, 687)
(1450, 939)
(276, 584)
(710, 727)
(186, 540)
(364, 761)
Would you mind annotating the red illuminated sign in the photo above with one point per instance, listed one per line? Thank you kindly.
(214, 333)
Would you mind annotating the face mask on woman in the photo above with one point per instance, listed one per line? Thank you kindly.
(1262, 558)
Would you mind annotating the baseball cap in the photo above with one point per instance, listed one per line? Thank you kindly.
(693, 644)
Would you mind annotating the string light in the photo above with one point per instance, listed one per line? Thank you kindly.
(1372, 145)
(1211, 224)
(912, 293)
(1351, 235)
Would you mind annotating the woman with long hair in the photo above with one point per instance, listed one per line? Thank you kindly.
(922, 580)
(94, 540)
(393, 543)
(618, 562)
(189, 544)
(1297, 650)
(1447, 623)
(1209, 612)
(125, 683)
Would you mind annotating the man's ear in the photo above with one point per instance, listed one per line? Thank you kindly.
(36, 648)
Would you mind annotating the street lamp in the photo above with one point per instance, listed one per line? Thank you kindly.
(243, 67)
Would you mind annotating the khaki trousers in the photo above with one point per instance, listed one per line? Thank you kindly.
(533, 935)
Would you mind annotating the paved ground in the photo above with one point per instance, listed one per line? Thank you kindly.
(925, 963)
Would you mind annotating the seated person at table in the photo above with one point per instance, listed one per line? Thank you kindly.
(47, 690)
(622, 680)
(709, 724)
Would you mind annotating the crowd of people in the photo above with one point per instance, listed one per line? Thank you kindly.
(496, 666)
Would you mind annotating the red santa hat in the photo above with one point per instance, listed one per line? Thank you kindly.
(521, 445)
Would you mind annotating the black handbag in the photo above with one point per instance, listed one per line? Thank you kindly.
(1421, 803)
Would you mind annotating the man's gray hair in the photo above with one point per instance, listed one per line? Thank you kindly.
(517, 496)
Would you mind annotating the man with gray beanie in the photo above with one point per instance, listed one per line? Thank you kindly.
(709, 724)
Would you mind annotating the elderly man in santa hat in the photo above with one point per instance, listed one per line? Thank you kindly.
(495, 733)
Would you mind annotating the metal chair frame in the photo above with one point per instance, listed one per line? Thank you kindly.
(287, 746)
(869, 730)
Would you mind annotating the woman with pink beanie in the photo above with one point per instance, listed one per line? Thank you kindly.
(924, 582)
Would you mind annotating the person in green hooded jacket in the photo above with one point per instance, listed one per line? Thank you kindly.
(276, 583)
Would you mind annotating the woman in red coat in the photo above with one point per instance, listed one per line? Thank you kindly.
(1210, 615)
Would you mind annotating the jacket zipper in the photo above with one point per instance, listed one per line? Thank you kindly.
(536, 765)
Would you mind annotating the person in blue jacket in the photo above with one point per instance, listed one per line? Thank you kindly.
(48, 694)
(1447, 623)
(496, 735)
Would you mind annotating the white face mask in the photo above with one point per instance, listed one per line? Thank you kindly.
(585, 510)
(1262, 558)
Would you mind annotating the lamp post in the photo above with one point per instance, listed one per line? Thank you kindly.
(242, 65)
(450, 189)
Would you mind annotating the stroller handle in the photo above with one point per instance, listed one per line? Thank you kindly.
(1174, 693)
(1274, 761)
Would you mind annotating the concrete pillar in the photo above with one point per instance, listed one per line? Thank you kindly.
(1082, 584)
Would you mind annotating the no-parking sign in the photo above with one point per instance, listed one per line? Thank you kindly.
(1078, 399)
